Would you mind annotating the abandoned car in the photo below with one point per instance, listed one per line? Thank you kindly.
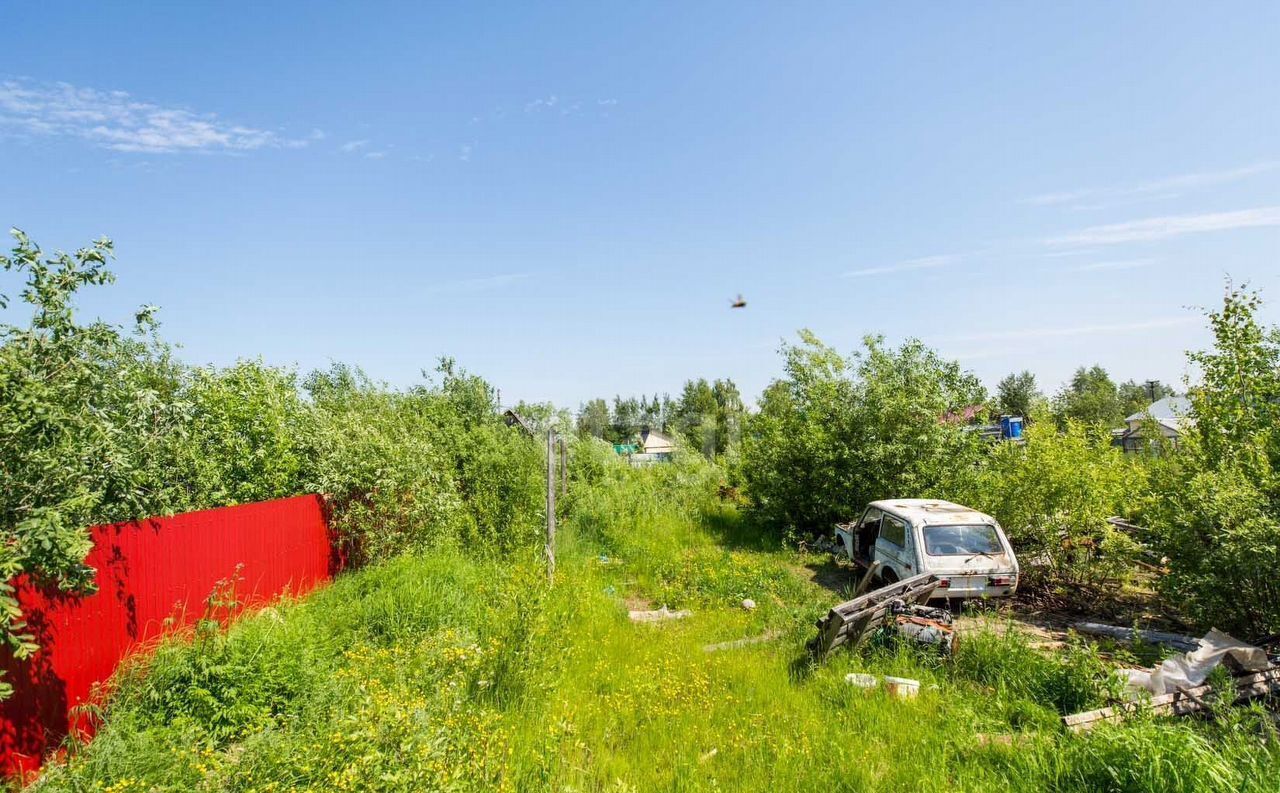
(904, 537)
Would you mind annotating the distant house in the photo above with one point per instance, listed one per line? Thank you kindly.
(655, 443)
(651, 447)
(1172, 415)
(968, 414)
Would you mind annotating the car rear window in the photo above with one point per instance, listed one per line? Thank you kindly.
(961, 540)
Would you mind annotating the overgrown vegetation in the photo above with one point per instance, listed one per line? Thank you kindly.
(835, 433)
(449, 663)
(99, 424)
(444, 671)
(1054, 494)
(1215, 503)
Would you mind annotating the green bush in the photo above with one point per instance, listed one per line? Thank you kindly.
(1053, 495)
(1215, 506)
(836, 433)
(98, 425)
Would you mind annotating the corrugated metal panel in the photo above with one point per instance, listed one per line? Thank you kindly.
(153, 575)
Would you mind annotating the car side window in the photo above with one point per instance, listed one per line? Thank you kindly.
(894, 531)
(871, 520)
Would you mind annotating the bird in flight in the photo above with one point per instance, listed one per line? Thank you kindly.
(739, 303)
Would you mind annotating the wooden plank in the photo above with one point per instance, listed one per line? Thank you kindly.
(1248, 686)
(1175, 640)
(746, 642)
(847, 622)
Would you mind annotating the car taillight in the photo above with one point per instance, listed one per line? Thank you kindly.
(1000, 580)
(943, 583)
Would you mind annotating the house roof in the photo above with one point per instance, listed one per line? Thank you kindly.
(1173, 413)
(963, 415)
(514, 419)
(1173, 407)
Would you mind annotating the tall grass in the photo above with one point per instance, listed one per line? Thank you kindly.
(444, 671)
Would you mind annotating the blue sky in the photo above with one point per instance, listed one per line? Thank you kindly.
(566, 197)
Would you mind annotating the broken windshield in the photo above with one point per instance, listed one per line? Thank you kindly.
(961, 540)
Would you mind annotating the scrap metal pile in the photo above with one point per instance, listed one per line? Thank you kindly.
(902, 603)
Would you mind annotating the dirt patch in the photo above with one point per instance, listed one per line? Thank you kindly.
(637, 603)
(1045, 631)
(825, 572)
(1046, 620)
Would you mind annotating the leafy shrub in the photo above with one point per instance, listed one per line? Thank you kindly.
(835, 433)
(1215, 505)
(1053, 495)
(97, 426)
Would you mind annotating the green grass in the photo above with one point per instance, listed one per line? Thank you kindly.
(449, 672)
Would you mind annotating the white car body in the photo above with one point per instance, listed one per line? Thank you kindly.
(908, 536)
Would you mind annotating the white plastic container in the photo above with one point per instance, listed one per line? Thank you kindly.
(902, 686)
(861, 681)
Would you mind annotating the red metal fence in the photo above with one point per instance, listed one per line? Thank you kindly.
(154, 576)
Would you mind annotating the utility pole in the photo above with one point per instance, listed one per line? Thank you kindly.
(564, 468)
(1151, 388)
(551, 505)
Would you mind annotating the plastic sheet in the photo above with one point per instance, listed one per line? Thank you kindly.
(1192, 669)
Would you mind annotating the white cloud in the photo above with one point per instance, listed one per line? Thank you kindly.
(464, 153)
(1170, 226)
(353, 145)
(1080, 330)
(1160, 188)
(117, 121)
(375, 155)
(607, 102)
(1071, 252)
(923, 263)
(315, 136)
(541, 104)
(1117, 264)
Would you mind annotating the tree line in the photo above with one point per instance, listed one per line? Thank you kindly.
(1090, 396)
(707, 416)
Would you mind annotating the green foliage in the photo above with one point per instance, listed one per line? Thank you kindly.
(1069, 682)
(1053, 495)
(1017, 394)
(697, 414)
(1216, 502)
(97, 426)
(82, 410)
(243, 438)
(593, 419)
(1090, 398)
(443, 671)
(541, 416)
(1136, 397)
(835, 433)
(709, 416)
